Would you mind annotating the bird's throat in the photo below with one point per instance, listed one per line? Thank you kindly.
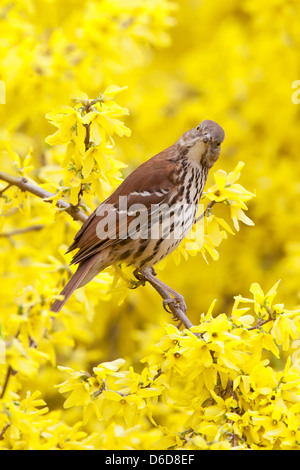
(196, 152)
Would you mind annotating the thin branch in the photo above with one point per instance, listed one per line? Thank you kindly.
(9, 372)
(87, 136)
(261, 322)
(208, 209)
(3, 431)
(6, 380)
(25, 185)
(33, 228)
(87, 144)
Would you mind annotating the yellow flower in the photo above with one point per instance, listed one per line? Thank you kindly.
(128, 406)
(263, 379)
(69, 124)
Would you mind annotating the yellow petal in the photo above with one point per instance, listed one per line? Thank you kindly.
(220, 178)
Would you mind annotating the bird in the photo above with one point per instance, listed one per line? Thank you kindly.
(149, 214)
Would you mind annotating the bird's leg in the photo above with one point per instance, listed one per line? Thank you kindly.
(176, 296)
(175, 305)
(145, 275)
(153, 271)
(141, 281)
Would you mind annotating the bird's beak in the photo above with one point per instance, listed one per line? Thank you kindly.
(206, 138)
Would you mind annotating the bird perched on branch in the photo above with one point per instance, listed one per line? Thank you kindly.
(149, 214)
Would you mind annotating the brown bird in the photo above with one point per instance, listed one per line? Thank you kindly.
(149, 214)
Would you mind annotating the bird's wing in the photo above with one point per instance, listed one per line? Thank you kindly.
(155, 182)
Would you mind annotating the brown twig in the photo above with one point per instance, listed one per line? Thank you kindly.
(262, 322)
(33, 228)
(87, 136)
(25, 185)
(7, 377)
(259, 324)
(208, 209)
(87, 143)
(3, 431)
(10, 371)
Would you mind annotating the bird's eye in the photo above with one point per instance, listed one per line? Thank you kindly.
(218, 144)
(198, 128)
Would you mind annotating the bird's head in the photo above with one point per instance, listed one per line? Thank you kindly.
(203, 143)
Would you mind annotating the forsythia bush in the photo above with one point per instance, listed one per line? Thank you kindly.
(93, 88)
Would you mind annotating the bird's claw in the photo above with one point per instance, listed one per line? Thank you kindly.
(135, 284)
(178, 302)
(166, 303)
(141, 279)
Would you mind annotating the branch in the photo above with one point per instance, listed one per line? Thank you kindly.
(33, 228)
(178, 312)
(87, 136)
(25, 185)
(3, 431)
(6, 380)
(261, 322)
(208, 209)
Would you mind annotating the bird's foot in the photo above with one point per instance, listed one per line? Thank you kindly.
(177, 301)
(173, 302)
(141, 280)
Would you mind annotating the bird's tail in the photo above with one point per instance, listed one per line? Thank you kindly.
(77, 280)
